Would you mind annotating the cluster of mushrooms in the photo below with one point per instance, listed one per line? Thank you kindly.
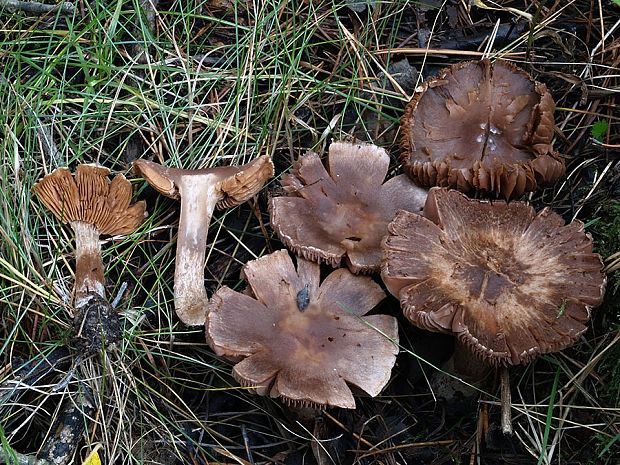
(507, 282)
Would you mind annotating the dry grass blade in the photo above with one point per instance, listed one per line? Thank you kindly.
(203, 83)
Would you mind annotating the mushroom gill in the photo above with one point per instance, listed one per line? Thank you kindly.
(510, 284)
(481, 127)
(200, 192)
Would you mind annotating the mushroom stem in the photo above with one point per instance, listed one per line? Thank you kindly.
(88, 263)
(199, 197)
(504, 377)
(468, 366)
(475, 371)
(200, 192)
(471, 372)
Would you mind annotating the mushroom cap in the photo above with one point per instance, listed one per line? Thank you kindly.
(483, 127)
(90, 197)
(302, 341)
(509, 283)
(344, 213)
(236, 184)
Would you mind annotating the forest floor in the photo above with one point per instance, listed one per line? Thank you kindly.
(197, 83)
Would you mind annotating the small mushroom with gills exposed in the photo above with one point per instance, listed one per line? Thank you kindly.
(93, 206)
(326, 217)
(481, 127)
(508, 283)
(200, 192)
(303, 341)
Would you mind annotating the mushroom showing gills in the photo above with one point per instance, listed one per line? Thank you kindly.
(483, 127)
(343, 213)
(510, 284)
(201, 191)
(302, 341)
(93, 206)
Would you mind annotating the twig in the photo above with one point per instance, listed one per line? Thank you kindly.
(20, 459)
(35, 8)
(411, 445)
(31, 373)
(65, 437)
(246, 443)
(149, 10)
(344, 428)
(435, 51)
(61, 446)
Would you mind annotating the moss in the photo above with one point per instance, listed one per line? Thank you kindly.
(605, 229)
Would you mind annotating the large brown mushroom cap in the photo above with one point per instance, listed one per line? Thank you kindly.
(484, 127)
(300, 340)
(509, 283)
(343, 213)
(90, 197)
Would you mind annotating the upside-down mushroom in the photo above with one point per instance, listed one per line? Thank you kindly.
(93, 206)
(481, 127)
(509, 283)
(326, 217)
(300, 340)
(200, 192)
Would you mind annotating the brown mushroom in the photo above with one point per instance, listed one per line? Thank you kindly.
(326, 217)
(302, 341)
(510, 284)
(201, 191)
(481, 126)
(93, 206)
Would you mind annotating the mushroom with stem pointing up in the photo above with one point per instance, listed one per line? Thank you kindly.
(93, 206)
(200, 192)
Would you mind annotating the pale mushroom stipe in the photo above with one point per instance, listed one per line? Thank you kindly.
(481, 127)
(301, 340)
(200, 192)
(344, 213)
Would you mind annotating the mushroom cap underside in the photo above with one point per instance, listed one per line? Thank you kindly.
(481, 126)
(234, 184)
(509, 283)
(90, 197)
(326, 216)
(302, 341)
